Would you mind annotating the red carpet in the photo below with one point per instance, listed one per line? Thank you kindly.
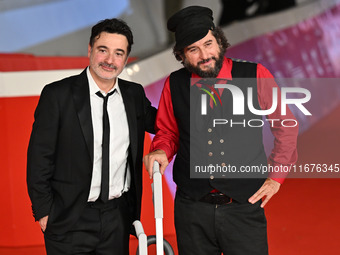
(303, 218)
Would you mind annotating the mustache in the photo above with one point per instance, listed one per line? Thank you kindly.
(108, 65)
(206, 60)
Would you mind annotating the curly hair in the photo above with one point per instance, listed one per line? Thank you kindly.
(220, 38)
(113, 26)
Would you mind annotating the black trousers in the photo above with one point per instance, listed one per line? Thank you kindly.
(100, 230)
(231, 229)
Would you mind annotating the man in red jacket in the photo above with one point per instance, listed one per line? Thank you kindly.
(218, 215)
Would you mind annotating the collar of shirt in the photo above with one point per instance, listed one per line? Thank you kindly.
(94, 87)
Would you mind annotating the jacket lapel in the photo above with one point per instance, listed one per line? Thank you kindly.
(130, 109)
(81, 97)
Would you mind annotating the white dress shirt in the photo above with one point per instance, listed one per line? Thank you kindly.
(120, 176)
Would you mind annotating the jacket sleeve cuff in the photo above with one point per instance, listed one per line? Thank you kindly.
(43, 211)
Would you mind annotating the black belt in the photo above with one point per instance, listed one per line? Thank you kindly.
(113, 203)
(216, 198)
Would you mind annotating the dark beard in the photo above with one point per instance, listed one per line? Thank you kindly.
(212, 73)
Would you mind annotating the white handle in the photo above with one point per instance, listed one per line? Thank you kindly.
(158, 205)
(142, 238)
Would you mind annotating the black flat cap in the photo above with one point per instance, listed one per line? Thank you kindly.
(191, 24)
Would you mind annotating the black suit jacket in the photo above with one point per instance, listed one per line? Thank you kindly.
(60, 151)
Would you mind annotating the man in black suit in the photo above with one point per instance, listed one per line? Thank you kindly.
(84, 164)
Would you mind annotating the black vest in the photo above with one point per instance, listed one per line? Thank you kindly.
(239, 145)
